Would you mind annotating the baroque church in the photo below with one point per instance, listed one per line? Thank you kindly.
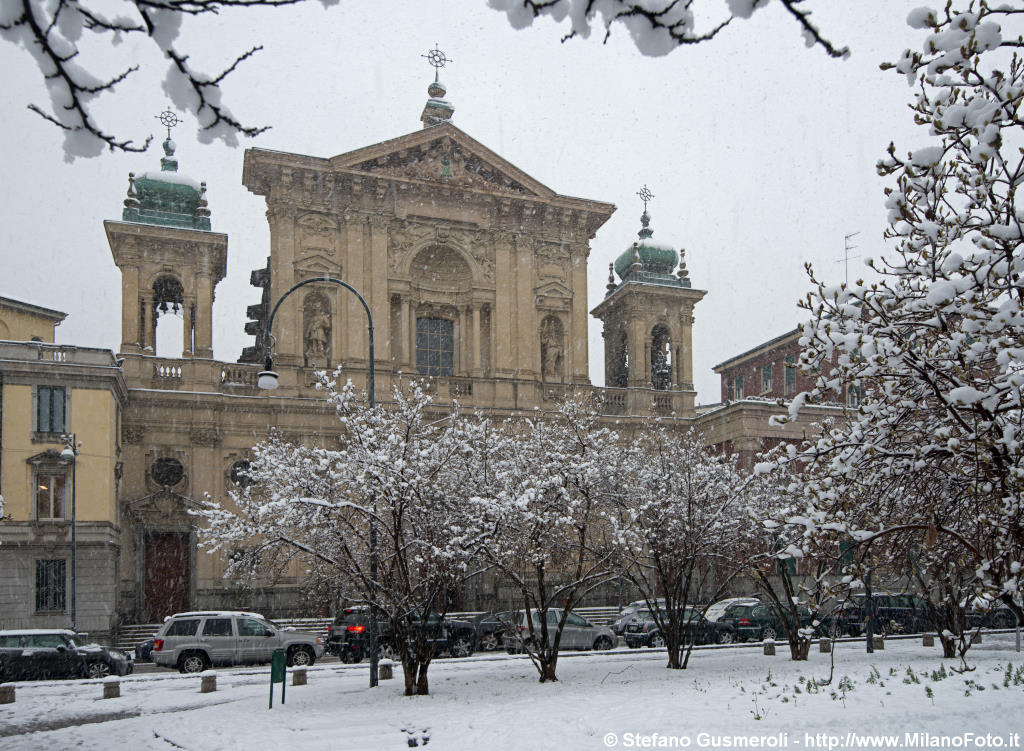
(474, 276)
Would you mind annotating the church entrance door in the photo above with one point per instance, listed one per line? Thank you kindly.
(167, 574)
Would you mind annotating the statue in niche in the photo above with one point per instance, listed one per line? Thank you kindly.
(552, 352)
(317, 334)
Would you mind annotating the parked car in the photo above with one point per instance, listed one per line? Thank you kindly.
(717, 610)
(144, 651)
(990, 614)
(645, 632)
(192, 642)
(57, 653)
(491, 628)
(760, 622)
(628, 614)
(578, 633)
(894, 614)
(349, 636)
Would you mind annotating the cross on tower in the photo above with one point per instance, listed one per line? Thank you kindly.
(437, 59)
(645, 196)
(169, 120)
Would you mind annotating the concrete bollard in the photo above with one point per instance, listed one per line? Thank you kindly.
(769, 648)
(208, 685)
(878, 642)
(6, 694)
(111, 689)
(385, 670)
(299, 677)
(928, 640)
(825, 646)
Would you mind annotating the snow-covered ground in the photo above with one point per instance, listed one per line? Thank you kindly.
(732, 696)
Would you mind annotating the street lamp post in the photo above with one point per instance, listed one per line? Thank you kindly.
(268, 379)
(70, 454)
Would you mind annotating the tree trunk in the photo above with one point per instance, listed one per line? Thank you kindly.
(799, 648)
(948, 646)
(422, 687)
(547, 668)
(409, 671)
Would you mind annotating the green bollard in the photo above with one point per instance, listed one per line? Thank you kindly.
(277, 673)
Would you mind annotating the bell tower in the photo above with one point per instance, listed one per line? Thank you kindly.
(169, 259)
(648, 317)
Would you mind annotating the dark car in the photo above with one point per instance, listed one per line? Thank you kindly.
(35, 654)
(643, 631)
(491, 628)
(349, 636)
(144, 651)
(894, 614)
(990, 615)
(761, 622)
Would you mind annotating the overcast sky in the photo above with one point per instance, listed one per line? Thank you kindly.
(760, 151)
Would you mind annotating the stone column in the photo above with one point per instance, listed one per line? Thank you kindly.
(686, 356)
(477, 344)
(576, 366)
(188, 308)
(410, 333)
(377, 295)
(130, 309)
(503, 363)
(204, 314)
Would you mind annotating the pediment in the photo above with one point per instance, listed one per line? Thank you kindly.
(316, 265)
(162, 504)
(443, 155)
(50, 456)
(552, 289)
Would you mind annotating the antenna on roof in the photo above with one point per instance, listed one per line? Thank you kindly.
(846, 254)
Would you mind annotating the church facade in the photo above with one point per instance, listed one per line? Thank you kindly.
(475, 277)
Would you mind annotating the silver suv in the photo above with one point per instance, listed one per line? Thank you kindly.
(192, 642)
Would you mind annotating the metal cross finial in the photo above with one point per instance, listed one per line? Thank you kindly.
(168, 119)
(645, 196)
(437, 58)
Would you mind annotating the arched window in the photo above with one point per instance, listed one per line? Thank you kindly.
(168, 315)
(661, 358)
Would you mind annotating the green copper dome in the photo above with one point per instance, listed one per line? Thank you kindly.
(648, 261)
(167, 198)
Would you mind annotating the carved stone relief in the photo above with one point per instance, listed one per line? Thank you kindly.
(316, 317)
(443, 161)
(552, 349)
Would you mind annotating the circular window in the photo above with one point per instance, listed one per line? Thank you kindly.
(167, 472)
(239, 473)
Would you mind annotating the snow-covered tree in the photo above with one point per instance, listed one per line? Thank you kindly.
(658, 26)
(677, 520)
(542, 520)
(934, 350)
(381, 518)
(61, 34)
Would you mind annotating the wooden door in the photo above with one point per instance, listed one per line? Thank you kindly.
(167, 574)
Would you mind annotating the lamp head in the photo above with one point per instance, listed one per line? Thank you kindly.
(267, 380)
(68, 454)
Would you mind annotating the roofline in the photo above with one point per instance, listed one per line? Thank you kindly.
(755, 350)
(38, 310)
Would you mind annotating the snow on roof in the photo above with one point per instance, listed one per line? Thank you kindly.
(223, 613)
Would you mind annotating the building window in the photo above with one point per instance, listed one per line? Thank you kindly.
(854, 395)
(790, 369)
(50, 409)
(51, 584)
(766, 378)
(737, 387)
(50, 494)
(167, 472)
(435, 346)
